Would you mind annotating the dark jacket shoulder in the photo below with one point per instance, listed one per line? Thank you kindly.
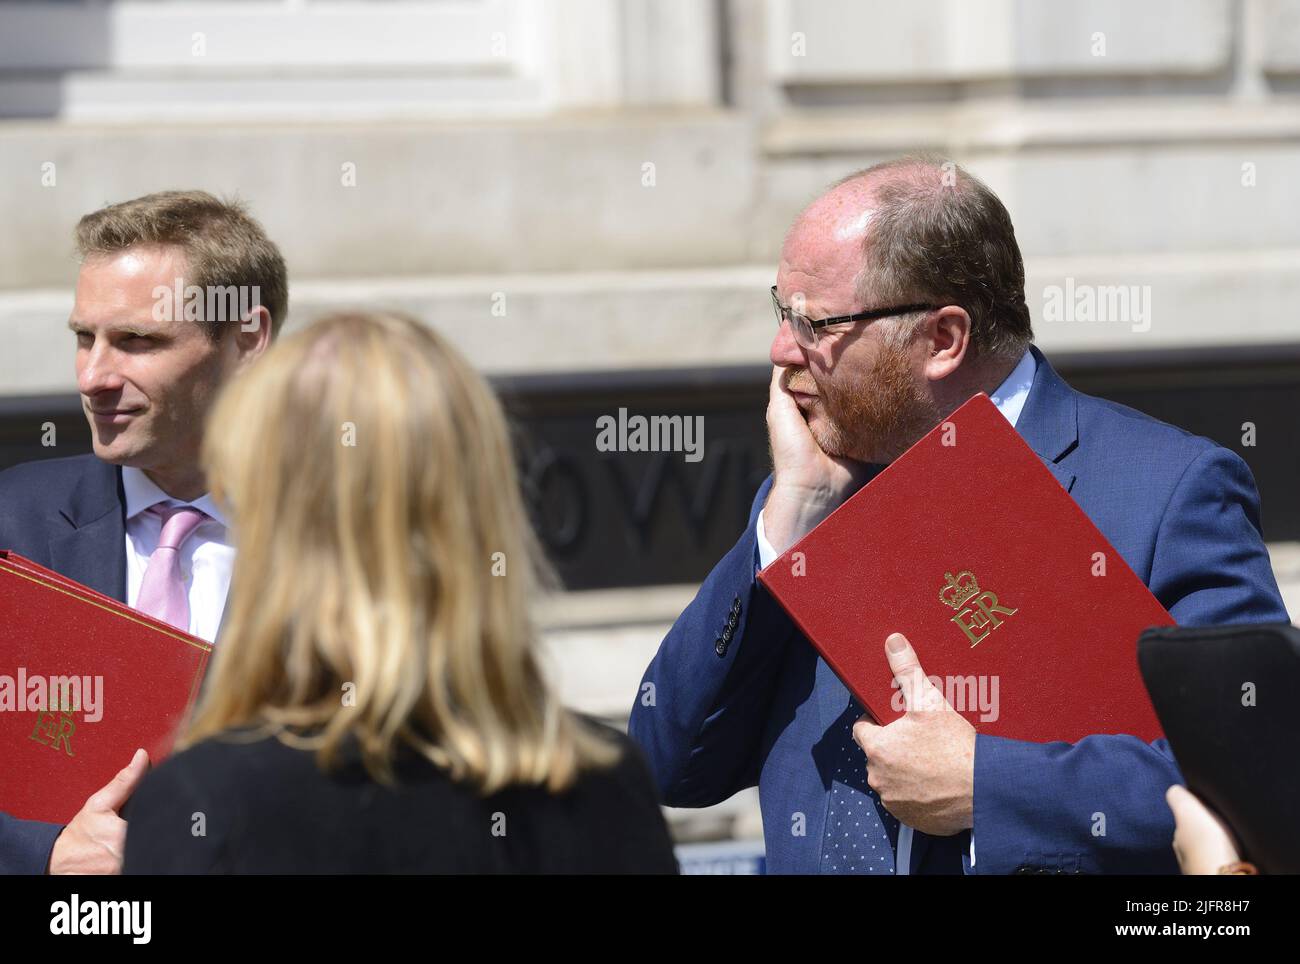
(49, 483)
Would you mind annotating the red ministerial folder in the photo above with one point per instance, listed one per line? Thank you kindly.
(969, 546)
(137, 680)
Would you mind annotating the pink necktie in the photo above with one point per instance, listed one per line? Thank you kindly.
(162, 591)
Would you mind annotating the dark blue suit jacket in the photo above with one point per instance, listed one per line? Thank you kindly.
(741, 697)
(68, 515)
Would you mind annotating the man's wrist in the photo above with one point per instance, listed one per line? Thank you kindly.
(790, 514)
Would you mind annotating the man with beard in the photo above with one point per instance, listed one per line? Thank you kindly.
(900, 294)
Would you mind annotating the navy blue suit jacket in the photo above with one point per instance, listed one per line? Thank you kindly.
(741, 698)
(68, 515)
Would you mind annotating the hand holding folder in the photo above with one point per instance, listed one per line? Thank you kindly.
(84, 682)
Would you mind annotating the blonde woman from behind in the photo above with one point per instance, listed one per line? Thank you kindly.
(375, 703)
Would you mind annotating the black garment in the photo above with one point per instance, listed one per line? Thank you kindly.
(264, 807)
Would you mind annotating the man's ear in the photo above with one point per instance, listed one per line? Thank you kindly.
(253, 336)
(947, 337)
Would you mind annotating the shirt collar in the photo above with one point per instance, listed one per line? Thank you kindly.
(142, 493)
(1010, 396)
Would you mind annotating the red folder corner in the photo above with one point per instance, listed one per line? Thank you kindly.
(137, 681)
(1016, 604)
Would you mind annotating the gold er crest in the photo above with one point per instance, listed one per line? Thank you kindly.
(55, 729)
(979, 618)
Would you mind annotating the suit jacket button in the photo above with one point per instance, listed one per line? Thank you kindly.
(720, 647)
(727, 633)
(735, 605)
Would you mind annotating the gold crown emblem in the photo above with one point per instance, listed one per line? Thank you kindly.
(957, 591)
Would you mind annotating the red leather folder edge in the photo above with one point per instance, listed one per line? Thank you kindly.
(829, 654)
(24, 568)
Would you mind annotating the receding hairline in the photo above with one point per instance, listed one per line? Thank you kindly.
(916, 168)
(161, 248)
(921, 170)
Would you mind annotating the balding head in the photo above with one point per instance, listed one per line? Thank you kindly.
(925, 230)
(840, 216)
(822, 257)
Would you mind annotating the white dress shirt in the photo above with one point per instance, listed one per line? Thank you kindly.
(1010, 398)
(206, 557)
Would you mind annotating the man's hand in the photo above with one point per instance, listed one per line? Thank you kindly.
(923, 764)
(93, 842)
(1202, 842)
(807, 484)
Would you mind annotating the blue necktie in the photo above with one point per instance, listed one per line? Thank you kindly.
(854, 843)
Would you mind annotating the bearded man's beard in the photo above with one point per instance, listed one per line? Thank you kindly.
(875, 417)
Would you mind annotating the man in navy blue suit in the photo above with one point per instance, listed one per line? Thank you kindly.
(900, 294)
(177, 293)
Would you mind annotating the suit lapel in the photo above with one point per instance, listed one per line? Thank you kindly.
(1049, 422)
(88, 543)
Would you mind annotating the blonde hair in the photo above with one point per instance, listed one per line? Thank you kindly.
(374, 504)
